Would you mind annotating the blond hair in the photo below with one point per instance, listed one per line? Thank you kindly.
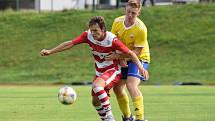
(134, 3)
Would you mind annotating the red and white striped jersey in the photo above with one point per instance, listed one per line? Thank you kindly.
(100, 49)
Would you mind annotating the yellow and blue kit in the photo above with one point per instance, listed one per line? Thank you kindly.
(133, 36)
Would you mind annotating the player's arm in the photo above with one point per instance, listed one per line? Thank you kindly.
(121, 55)
(61, 47)
(136, 60)
(137, 50)
(121, 47)
(65, 45)
(140, 39)
(113, 28)
(139, 42)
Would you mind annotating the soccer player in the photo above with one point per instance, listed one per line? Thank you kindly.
(133, 33)
(107, 72)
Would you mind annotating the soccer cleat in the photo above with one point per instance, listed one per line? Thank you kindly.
(131, 118)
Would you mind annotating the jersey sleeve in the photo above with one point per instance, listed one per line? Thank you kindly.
(113, 29)
(80, 39)
(118, 45)
(141, 38)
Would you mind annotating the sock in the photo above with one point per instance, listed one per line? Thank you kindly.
(138, 107)
(104, 99)
(101, 112)
(123, 102)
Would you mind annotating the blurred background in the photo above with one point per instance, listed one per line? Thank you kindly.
(180, 34)
(57, 5)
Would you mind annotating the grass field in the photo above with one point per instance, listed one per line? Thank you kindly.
(162, 103)
(181, 42)
(181, 39)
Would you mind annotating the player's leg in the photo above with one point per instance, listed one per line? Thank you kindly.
(123, 100)
(132, 83)
(99, 91)
(122, 97)
(101, 112)
(136, 95)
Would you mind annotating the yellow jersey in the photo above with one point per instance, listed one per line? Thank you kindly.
(133, 36)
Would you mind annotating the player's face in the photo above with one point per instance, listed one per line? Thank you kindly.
(131, 13)
(96, 31)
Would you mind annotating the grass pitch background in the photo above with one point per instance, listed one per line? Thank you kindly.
(162, 103)
(181, 42)
(182, 48)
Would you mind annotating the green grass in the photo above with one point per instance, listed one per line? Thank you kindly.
(162, 103)
(181, 40)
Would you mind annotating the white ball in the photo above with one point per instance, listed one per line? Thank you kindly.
(67, 95)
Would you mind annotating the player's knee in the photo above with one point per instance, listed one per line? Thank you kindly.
(98, 83)
(132, 86)
(94, 85)
(118, 90)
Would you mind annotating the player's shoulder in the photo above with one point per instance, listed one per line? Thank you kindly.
(141, 25)
(119, 19)
(110, 35)
(109, 39)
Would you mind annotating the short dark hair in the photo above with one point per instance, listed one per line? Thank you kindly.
(98, 20)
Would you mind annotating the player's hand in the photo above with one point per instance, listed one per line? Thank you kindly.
(123, 63)
(145, 73)
(112, 56)
(45, 52)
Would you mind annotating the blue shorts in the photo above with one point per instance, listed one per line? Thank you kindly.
(132, 70)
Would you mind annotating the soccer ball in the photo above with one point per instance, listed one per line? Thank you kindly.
(67, 95)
